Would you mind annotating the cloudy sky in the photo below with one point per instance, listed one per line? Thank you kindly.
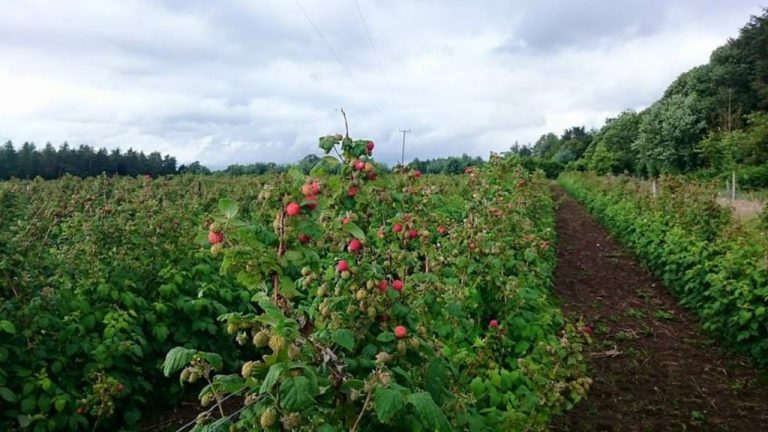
(240, 81)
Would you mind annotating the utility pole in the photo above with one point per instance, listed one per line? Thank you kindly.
(402, 156)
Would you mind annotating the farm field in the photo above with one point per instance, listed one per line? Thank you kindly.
(358, 301)
(325, 302)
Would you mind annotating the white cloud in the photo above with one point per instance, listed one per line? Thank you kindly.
(241, 81)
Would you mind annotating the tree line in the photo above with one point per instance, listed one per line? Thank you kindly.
(712, 119)
(84, 161)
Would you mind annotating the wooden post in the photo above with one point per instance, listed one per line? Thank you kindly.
(653, 188)
(733, 186)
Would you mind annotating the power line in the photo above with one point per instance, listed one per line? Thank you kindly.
(368, 33)
(325, 41)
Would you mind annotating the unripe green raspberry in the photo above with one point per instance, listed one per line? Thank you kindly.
(276, 343)
(415, 344)
(401, 347)
(231, 328)
(361, 295)
(193, 377)
(185, 375)
(294, 352)
(247, 369)
(261, 339)
(268, 418)
(216, 227)
(216, 249)
(291, 421)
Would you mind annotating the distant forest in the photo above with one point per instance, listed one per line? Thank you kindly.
(29, 162)
(712, 120)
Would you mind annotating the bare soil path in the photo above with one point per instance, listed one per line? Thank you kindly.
(653, 369)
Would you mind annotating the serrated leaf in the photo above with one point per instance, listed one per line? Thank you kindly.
(387, 403)
(228, 207)
(430, 415)
(296, 393)
(344, 338)
(176, 359)
(272, 376)
(355, 230)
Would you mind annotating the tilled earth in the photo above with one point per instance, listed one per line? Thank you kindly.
(652, 367)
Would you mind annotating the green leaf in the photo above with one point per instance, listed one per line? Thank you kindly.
(324, 165)
(60, 404)
(228, 207)
(7, 327)
(428, 412)
(272, 376)
(354, 230)
(176, 359)
(24, 420)
(385, 337)
(7, 394)
(387, 403)
(345, 339)
(296, 393)
(327, 143)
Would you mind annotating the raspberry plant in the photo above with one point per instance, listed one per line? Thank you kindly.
(373, 297)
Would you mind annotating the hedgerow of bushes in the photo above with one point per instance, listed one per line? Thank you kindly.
(715, 266)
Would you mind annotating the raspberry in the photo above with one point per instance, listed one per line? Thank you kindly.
(291, 421)
(268, 418)
(215, 237)
(398, 285)
(354, 245)
(400, 332)
(383, 285)
(247, 369)
(261, 339)
(292, 209)
(276, 343)
(216, 227)
(342, 266)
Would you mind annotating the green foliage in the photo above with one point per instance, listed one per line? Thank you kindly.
(714, 266)
(329, 350)
(49, 163)
(99, 279)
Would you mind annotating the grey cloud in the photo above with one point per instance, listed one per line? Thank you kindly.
(238, 81)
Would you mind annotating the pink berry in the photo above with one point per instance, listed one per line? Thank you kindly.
(400, 332)
(354, 245)
(397, 228)
(413, 233)
(370, 146)
(398, 285)
(343, 265)
(303, 238)
(359, 165)
(493, 324)
(383, 285)
(215, 237)
(293, 209)
(352, 191)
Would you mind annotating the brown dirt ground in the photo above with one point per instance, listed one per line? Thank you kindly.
(653, 369)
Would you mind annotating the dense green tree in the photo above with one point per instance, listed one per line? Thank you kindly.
(83, 161)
